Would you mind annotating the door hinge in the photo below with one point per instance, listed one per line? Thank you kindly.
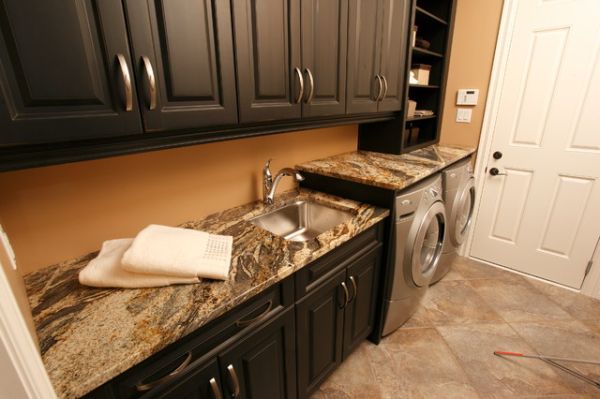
(588, 268)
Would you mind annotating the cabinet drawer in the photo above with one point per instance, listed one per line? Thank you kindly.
(313, 275)
(186, 353)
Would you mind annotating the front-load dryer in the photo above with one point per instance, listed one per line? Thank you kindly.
(420, 230)
(459, 196)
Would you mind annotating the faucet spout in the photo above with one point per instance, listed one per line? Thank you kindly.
(270, 184)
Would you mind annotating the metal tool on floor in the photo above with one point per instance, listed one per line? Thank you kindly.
(551, 360)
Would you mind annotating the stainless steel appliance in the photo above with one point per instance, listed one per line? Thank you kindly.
(420, 230)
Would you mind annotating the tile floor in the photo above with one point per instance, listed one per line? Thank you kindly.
(445, 349)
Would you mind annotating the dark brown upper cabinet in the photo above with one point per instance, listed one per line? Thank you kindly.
(184, 62)
(376, 55)
(324, 46)
(65, 72)
(267, 43)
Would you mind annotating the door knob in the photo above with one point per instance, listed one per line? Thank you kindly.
(497, 155)
(495, 172)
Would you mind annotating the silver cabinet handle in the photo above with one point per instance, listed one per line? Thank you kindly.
(214, 387)
(244, 323)
(233, 378)
(346, 295)
(126, 82)
(301, 82)
(311, 83)
(385, 88)
(380, 90)
(151, 78)
(354, 287)
(169, 377)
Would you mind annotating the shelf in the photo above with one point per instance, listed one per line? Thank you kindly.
(420, 118)
(424, 86)
(423, 51)
(430, 15)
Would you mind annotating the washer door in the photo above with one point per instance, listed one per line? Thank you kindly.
(428, 244)
(462, 213)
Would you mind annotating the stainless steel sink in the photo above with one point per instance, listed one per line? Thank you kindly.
(301, 220)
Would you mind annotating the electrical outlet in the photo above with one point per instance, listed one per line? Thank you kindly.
(463, 115)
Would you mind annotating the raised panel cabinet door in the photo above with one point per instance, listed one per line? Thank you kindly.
(363, 85)
(202, 381)
(362, 280)
(184, 62)
(320, 321)
(65, 72)
(394, 43)
(324, 45)
(263, 364)
(267, 43)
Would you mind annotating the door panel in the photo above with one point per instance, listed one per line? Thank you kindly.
(264, 363)
(394, 42)
(59, 72)
(363, 60)
(359, 315)
(267, 40)
(190, 49)
(541, 217)
(319, 320)
(324, 45)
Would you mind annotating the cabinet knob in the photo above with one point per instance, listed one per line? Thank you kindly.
(346, 295)
(354, 288)
(214, 387)
(234, 382)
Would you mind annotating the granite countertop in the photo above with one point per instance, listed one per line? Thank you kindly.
(393, 172)
(90, 335)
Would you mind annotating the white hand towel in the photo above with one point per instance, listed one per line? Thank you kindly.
(105, 270)
(179, 252)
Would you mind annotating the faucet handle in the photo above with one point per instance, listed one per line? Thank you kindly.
(267, 170)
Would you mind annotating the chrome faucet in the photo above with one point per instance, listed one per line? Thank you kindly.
(270, 184)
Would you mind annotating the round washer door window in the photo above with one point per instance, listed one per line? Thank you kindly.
(428, 244)
(463, 213)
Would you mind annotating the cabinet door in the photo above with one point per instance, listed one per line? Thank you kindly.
(201, 382)
(324, 45)
(65, 72)
(267, 43)
(184, 62)
(362, 281)
(394, 41)
(319, 320)
(263, 365)
(363, 56)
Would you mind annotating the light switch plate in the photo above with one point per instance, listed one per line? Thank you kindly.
(467, 97)
(463, 115)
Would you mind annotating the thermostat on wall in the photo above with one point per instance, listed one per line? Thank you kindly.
(467, 97)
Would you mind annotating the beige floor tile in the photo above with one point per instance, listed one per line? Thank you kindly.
(518, 301)
(566, 339)
(496, 377)
(577, 305)
(470, 269)
(456, 302)
(417, 363)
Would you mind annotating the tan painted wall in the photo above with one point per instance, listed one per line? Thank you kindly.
(473, 45)
(55, 213)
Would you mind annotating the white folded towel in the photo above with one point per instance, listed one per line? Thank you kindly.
(105, 270)
(179, 252)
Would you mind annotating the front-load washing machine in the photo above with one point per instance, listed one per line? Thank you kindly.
(459, 196)
(420, 230)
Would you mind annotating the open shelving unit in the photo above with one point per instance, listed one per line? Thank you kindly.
(435, 21)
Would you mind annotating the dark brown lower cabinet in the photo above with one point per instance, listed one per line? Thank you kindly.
(335, 318)
(202, 382)
(262, 365)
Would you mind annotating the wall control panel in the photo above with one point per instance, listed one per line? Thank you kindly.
(467, 97)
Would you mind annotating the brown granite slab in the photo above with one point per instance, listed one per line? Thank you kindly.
(90, 335)
(393, 172)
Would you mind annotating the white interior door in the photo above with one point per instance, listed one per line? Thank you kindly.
(541, 214)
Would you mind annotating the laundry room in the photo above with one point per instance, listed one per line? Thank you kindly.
(299, 199)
